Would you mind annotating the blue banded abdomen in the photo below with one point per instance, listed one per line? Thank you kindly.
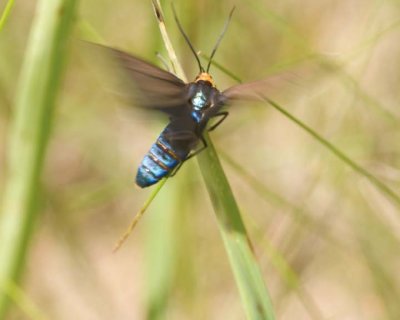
(158, 162)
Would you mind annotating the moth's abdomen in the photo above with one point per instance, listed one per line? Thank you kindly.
(158, 162)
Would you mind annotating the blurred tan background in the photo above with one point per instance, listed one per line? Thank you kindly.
(326, 238)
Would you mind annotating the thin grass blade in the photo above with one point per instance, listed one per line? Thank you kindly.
(338, 153)
(248, 276)
(254, 294)
(139, 215)
(24, 303)
(391, 194)
(38, 88)
(6, 13)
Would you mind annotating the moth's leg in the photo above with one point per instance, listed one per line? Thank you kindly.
(195, 153)
(180, 136)
(191, 155)
(224, 114)
(176, 169)
(186, 135)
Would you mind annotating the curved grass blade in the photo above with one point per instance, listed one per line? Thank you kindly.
(331, 147)
(139, 215)
(38, 86)
(6, 13)
(300, 214)
(338, 153)
(175, 66)
(164, 228)
(24, 303)
(253, 291)
(291, 33)
(89, 32)
(292, 280)
(163, 240)
(254, 294)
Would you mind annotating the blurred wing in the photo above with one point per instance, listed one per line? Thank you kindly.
(267, 87)
(181, 134)
(288, 81)
(154, 88)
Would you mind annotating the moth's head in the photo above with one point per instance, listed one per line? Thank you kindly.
(206, 77)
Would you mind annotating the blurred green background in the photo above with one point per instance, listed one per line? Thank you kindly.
(327, 239)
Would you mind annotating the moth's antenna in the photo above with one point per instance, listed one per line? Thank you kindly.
(220, 38)
(186, 38)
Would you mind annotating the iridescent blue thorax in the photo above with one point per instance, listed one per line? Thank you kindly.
(199, 100)
(202, 96)
(199, 103)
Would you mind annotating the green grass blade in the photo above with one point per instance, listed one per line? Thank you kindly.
(292, 279)
(300, 214)
(162, 238)
(6, 13)
(139, 215)
(290, 33)
(24, 303)
(331, 147)
(248, 276)
(88, 32)
(38, 87)
(338, 153)
(163, 227)
(372, 236)
(176, 66)
(253, 291)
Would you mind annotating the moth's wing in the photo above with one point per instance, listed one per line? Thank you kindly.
(287, 81)
(182, 128)
(181, 134)
(262, 88)
(153, 87)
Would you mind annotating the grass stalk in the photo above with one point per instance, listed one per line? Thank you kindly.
(283, 26)
(162, 238)
(24, 303)
(139, 215)
(392, 195)
(6, 13)
(176, 66)
(253, 291)
(338, 153)
(38, 86)
(248, 276)
(163, 229)
(179, 71)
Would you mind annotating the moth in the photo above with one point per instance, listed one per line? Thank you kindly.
(189, 106)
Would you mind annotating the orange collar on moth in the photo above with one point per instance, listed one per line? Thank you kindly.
(204, 76)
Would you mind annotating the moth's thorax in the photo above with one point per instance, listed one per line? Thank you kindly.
(200, 104)
(201, 98)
